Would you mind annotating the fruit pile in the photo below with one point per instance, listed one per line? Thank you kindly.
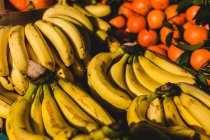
(177, 30)
(56, 84)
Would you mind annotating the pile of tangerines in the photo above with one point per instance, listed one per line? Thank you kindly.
(159, 26)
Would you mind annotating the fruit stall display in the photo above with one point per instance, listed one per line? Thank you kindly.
(108, 69)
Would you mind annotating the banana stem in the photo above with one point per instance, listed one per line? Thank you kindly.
(30, 91)
(117, 53)
(168, 89)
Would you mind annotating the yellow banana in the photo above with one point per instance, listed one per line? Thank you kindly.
(155, 112)
(58, 39)
(4, 36)
(54, 122)
(9, 129)
(74, 35)
(19, 81)
(9, 94)
(86, 102)
(97, 23)
(99, 10)
(39, 46)
(4, 109)
(172, 116)
(132, 116)
(1, 124)
(113, 44)
(117, 72)
(131, 81)
(19, 120)
(18, 49)
(161, 75)
(36, 112)
(6, 100)
(98, 80)
(195, 92)
(72, 112)
(166, 64)
(6, 82)
(68, 11)
(189, 119)
(31, 53)
(77, 68)
(198, 110)
(143, 77)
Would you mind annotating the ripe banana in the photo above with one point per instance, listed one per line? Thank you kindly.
(9, 129)
(4, 109)
(97, 23)
(13, 96)
(4, 35)
(19, 120)
(6, 82)
(195, 92)
(172, 116)
(40, 46)
(58, 39)
(161, 75)
(74, 35)
(117, 72)
(99, 10)
(36, 112)
(72, 112)
(6, 100)
(54, 122)
(155, 112)
(1, 124)
(189, 119)
(18, 49)
(132, 116)
(31, 53)
(166, 64)
(131, 81)
(198, 110)
(68, 11)
(143, 77)
(19, 81)
(77, 68)
(86, 102)
(98, 80)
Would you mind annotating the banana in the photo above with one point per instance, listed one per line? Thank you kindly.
(117, 72)
(39, 46)
(113, 44)
(131, 115)
(86, 102)
(54, 122)
(68, 11)
(135, 87)
(18, 48)
(195, 92)
(4, 36)
(77, 68)
(97, 23)
(97, 78)
(143, 77)
(19, 81)
(99, 10)
(161, 75)
(58, 39)
(101, 36)
(1, 124)
(36, 112)
(13, 96)
(155, 112)
(9, 129)
(4, 109)
(19, 121)
(198, 110)
(74, 35)
(166, 64)
(189, 119)
(31, 53)
(6, 82)
(72, 112)
(6, 100)
(172, 116)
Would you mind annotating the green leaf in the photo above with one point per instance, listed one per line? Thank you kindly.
(169, 38)
(202, 78)
(183, 4)
(197, 2)
(194, 72)
(188, 47)
(184, 59)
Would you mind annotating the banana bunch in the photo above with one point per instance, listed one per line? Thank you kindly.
(118, 76)
(173, 111)
(54, 111)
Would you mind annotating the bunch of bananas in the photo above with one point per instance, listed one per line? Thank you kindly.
(173, 111)
(118, 76)
(59, 110)
(59, 44)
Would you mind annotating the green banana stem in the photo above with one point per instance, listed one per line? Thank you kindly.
(168, 89)
(117, 53)
(112, 131)
(30, 91)
(39, 92)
